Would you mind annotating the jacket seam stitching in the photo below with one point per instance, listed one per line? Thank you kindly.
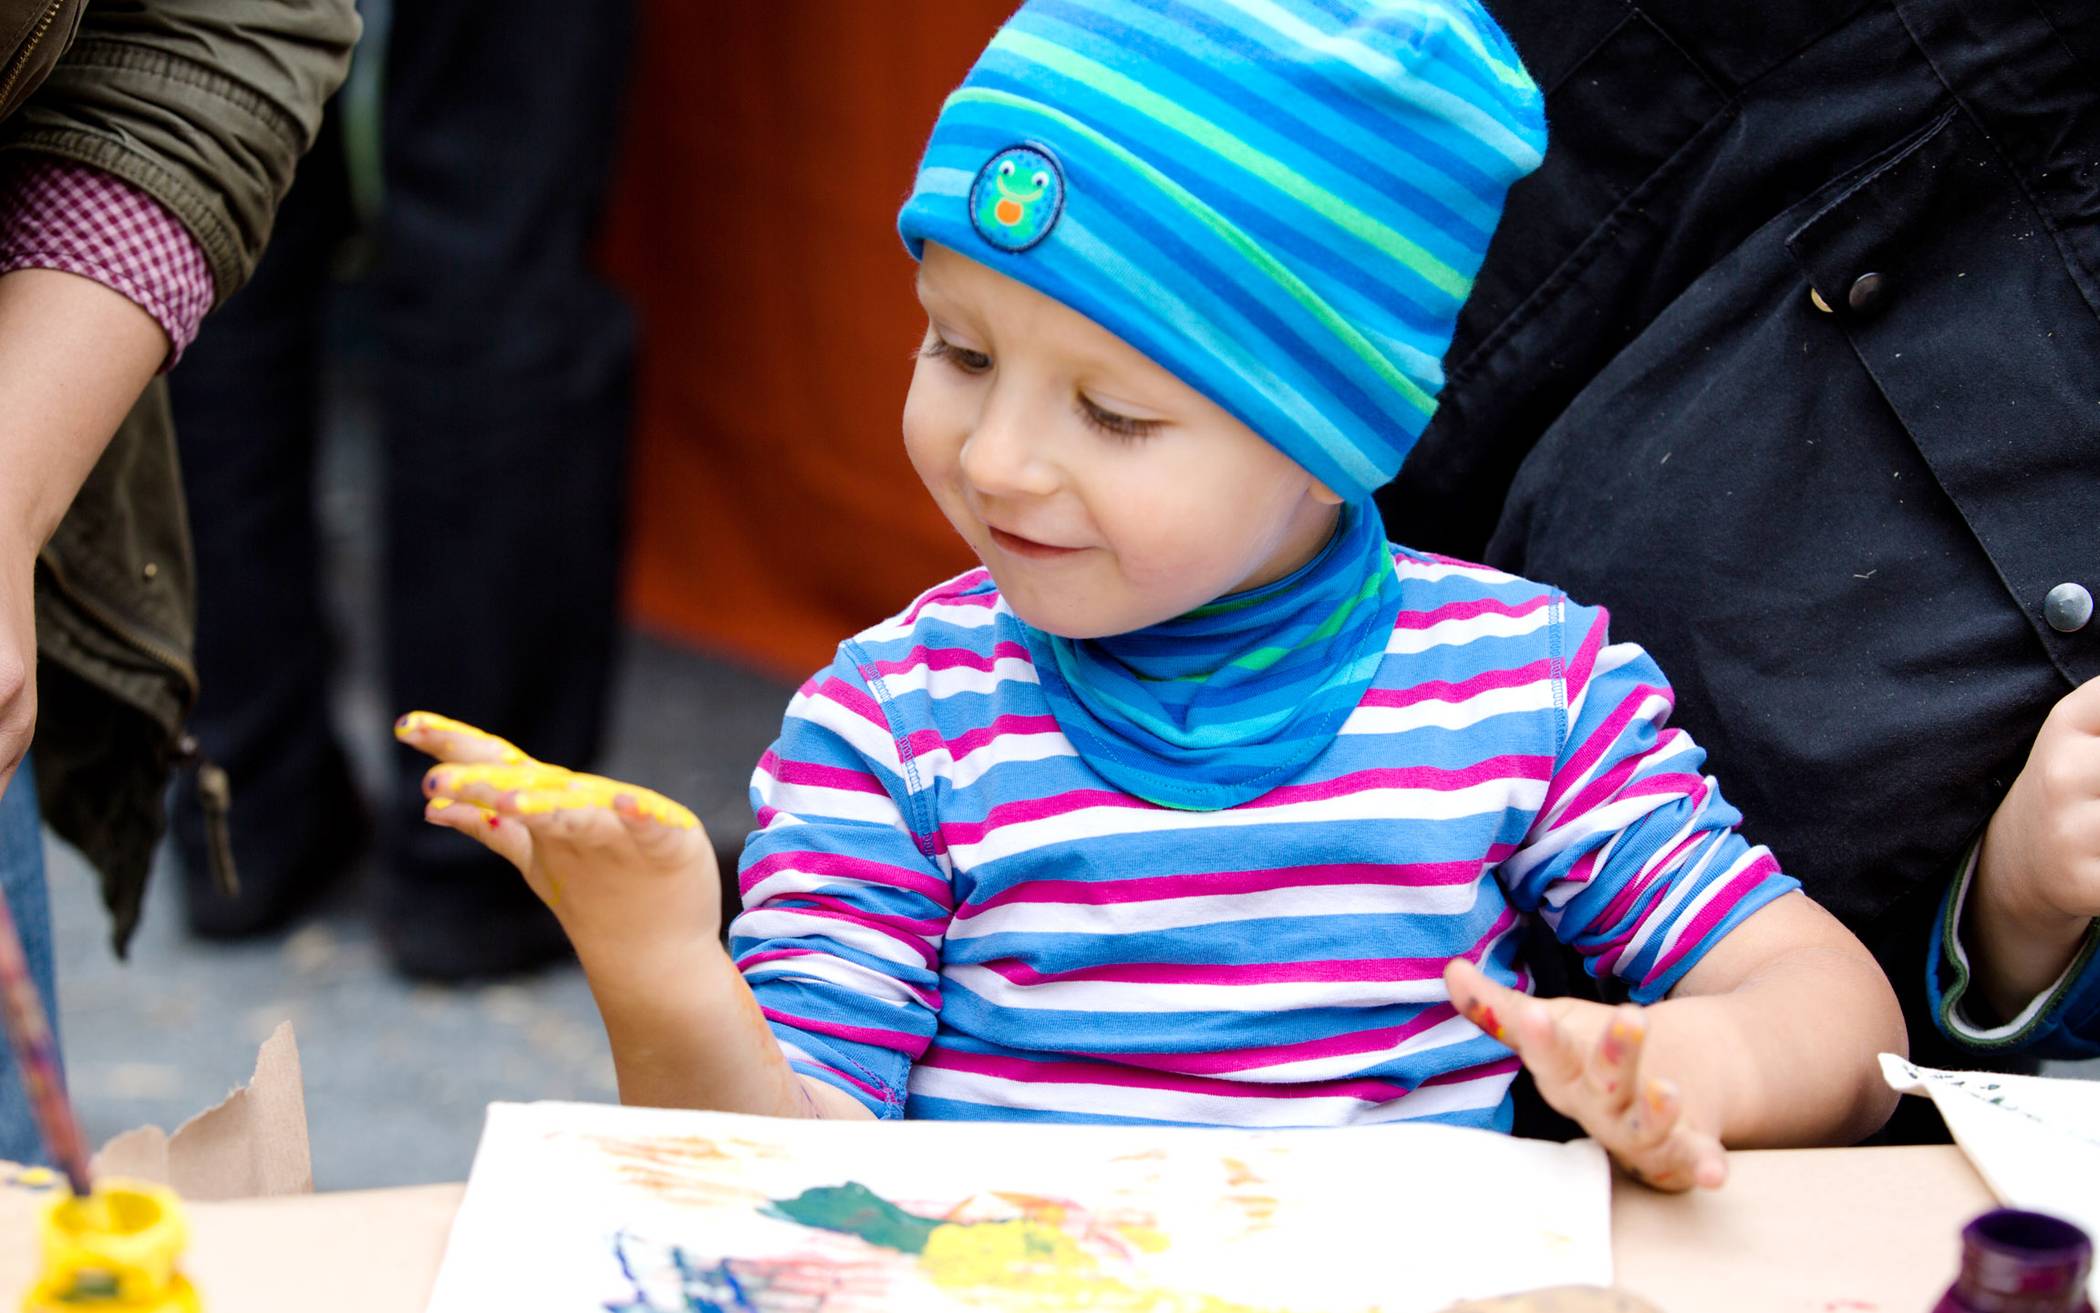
(102, 53)
(907, 764)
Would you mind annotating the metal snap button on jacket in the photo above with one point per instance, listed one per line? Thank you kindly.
(2067, 608)
(1866, 290)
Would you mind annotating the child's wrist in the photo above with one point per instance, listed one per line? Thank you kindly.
(653, 952)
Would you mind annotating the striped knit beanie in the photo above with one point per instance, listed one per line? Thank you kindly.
(1283, 202)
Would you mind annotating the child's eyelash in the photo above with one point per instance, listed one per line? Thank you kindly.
(969, 362)
(1109, 422)
(1099, 417)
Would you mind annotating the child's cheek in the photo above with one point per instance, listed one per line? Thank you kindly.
(932, 434)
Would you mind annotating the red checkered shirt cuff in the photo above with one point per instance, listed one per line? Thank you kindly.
(56, 214)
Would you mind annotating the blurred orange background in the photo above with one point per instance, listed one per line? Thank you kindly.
(773, 510)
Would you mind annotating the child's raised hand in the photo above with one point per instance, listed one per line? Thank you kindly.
(1587, 1059)
(614, 861)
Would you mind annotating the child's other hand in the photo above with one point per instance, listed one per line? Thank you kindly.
(2038, 884)
(1587, 1060)
(615, 862)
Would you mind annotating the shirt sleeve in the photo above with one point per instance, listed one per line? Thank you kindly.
(57, 214)
(845, 907)
(1633, 858)
(2063, 1021)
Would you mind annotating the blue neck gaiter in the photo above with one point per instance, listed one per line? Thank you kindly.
(1217, 707)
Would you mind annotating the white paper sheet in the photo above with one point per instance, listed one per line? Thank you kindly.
(590, 1207)
(2034, 1140)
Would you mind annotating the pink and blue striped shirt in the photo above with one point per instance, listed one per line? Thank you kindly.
(949, 915)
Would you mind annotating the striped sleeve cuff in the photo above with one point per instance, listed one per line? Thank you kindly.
(1949, 977)
(57, 214)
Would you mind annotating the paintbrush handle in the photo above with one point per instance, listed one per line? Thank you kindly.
(36, 1055)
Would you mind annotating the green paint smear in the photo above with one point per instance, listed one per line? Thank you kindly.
(856, 1210)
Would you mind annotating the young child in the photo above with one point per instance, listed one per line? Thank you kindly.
(1201, 802)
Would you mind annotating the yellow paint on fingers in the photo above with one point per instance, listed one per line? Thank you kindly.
(542, 789)
(416, 722)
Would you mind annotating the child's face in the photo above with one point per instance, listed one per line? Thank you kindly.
(1103, 493)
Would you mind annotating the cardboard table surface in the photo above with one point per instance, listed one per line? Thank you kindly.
(1794, 1231)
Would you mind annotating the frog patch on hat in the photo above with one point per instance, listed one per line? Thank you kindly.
(1017, 198)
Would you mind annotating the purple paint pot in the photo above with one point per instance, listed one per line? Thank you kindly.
(2015, 1262)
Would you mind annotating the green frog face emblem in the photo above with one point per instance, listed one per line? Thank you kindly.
(1017, 198)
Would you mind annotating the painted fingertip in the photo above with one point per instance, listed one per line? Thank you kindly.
(1613, 1047)
(494, 820)
(1481, 1014)
(1659, 1096)
(1625, 1031)
(436, 805)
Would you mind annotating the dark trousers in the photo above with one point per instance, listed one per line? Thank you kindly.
(1832, 521)
(503, 406)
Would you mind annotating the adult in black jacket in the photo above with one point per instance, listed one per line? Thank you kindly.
(1789, 356)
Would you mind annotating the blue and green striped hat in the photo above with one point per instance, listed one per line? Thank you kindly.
(1281, 201)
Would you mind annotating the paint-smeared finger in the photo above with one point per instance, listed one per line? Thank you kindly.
(493, 785)
(569, 817)
(507, 839)
(455, 740)
(1651, 1119)
(1617, 1059)
(1480, 1000)
(647, 802)
(1661, 1148)
(659, 840)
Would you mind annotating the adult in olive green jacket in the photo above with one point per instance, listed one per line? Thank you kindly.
(204, 105)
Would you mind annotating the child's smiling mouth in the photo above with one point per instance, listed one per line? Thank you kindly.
(1016, 545)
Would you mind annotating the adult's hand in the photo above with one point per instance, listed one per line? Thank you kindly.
(74, 357)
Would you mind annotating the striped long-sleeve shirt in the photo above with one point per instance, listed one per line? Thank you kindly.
(948, 914)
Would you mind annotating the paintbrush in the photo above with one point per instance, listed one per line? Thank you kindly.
(36, 1055)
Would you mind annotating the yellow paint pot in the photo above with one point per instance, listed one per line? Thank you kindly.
(113, 1252)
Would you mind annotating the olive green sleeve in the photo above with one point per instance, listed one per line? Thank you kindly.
(204, 105)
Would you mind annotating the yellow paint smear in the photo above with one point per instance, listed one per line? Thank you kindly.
(1031, 1267)
(542, 789)
(416, 722)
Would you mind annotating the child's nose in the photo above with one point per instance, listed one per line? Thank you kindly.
(1003, 457)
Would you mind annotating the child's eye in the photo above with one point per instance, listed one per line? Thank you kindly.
(1108, 421)
(969, 362)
